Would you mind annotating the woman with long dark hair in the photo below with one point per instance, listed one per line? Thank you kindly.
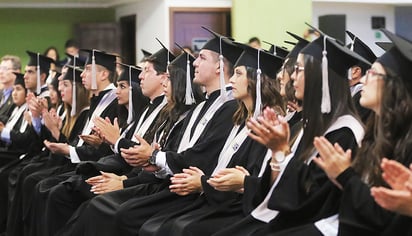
(293, 190)
(253, 88)
(387, 91)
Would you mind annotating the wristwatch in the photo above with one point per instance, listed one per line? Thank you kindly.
(152, 158)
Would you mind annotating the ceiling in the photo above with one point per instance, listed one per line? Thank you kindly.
(63, 3)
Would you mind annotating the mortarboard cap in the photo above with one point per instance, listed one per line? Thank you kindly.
(73, 74)
(146, 53)
(101, 58)
(300, 44)
(225, 48)
(334, 56)
(398, 58)
(384, 45)
(162, 58)
(185, 62)
(263, 62)
(361, 48)
(19, 79)
(130, 74)
(75, 61)
(42, 64)
(277, 51)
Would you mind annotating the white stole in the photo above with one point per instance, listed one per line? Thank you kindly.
(188, 142)
(103, 103)
(233, 142)
(14, 117)
(144, 124)
(262, 212)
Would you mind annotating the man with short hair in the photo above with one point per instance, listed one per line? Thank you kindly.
(8, 65)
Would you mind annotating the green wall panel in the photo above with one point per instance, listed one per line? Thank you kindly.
(269, 19)
(37, 29)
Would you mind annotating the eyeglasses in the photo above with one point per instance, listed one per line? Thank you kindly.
(298, 69)
(373, 74)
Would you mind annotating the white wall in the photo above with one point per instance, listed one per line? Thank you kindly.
(358, 19)
(152, 18)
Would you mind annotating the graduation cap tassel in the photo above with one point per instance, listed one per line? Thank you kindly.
(130, 114)
(74, 93)
(350, 69)
(258, 90)
(94, 79)
(73, 110)
(38, 88)
(189, 100)
(325, 105)
(222, 74)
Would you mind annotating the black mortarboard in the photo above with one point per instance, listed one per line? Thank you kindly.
(225, 48)
(130, 74)
(185, 62)
(19, 79)
(268, 63)
(334, 56)
(75, 61)
(42, 64)
(146, 53)
(300, 44)
(263, 62)
(36, 59)
(361, 48)
(277, 51)
(162, 58)
(101, 58)
(398, 58)
(73, 74)
(384, 45)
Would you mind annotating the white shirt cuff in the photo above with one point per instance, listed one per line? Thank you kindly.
(161, 162)
(5, 135)
(74, 158)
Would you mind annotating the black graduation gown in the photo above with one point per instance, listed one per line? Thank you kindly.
(360, 214)
(213, 209)
(6, 109)
(65, 197)
(363, 112)
(34, 172)
(134, 205)
(87, 150)
(303, 195)
(20, 142)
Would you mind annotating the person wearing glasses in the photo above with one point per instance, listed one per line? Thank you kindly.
(387, 91)
(293, 191)
(8, 65)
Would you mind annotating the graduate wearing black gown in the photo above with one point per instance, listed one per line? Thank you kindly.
(388, 92)
(210, 122)
(213, 209)
(293, 190)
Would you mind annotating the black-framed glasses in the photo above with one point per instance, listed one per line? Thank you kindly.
(298, 69)
(374, 74)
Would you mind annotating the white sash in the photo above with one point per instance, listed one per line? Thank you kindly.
(262, 212)
(188, 142)
(15, 115)
(103, 103)
(144, 124)
(233, 142)
(265, 162)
